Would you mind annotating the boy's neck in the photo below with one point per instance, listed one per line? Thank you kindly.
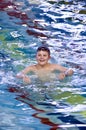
(42, 66)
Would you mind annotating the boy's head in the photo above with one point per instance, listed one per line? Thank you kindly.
(43, 48)
(43, 55)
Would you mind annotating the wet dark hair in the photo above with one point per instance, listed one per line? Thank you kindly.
(44, 48)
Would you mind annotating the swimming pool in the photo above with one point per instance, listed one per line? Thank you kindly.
(24, 25)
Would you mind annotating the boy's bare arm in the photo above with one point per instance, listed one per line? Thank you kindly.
(23, 74)
(67, 71)
(63, 71)
(25, 71)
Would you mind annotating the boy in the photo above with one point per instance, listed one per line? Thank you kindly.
(43, 69)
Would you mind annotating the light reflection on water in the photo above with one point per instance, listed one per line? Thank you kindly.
(24, 25)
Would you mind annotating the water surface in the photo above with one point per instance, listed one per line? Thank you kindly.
(25, 25)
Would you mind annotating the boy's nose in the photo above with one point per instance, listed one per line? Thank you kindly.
(42, 56)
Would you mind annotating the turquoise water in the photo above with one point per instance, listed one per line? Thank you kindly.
(25, 25)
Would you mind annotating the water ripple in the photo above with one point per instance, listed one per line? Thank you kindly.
(24, 25)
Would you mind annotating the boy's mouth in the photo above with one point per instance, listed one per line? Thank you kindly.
(42, 60)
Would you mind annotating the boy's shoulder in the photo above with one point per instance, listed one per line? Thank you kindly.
(54, 66)
(57, 67)
(32, 66)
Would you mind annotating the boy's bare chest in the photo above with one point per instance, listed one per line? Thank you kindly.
(44, 74)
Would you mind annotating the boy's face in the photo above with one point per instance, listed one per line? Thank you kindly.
(42, 57)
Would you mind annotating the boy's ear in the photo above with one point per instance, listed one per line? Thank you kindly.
(49, 57)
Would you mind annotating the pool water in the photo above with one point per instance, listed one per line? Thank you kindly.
(53, 105)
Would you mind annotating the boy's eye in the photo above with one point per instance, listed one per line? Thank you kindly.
(44, 55)
(39, 55)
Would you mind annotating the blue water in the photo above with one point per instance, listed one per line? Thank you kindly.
(54, 105)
